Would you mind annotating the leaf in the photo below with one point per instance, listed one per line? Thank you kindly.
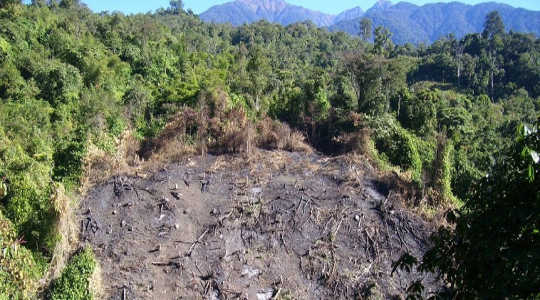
(531, 173)
(525, 153)
(406, 262)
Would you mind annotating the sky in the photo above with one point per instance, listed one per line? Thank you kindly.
(332, 7)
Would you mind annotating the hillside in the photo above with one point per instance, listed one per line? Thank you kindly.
(410, 23)
(160, 156)
(274, 225)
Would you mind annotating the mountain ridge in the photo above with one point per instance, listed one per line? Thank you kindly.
(276, 11)
(429, 22)
(407, 22)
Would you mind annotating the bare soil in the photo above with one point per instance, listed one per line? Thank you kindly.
(279, 225)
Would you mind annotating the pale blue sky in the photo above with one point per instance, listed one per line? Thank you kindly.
(333, 7)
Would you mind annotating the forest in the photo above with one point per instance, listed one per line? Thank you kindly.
(458, 120)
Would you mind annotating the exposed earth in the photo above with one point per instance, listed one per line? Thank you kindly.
(278, 225)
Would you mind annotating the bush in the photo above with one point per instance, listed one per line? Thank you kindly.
(18, 270)
(74, 283)
(400, 147)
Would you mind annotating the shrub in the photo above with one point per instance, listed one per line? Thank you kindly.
(74, 283)
(398, 146)
(18, 270)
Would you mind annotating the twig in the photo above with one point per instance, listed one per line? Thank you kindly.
(196, 242)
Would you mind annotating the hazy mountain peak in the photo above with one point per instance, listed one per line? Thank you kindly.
(382, 4)
(270, 5)
(349, 14)
(277, 11)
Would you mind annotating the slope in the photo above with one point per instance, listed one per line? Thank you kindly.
(273, 226)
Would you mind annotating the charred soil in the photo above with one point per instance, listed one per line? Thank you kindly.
(279, 225)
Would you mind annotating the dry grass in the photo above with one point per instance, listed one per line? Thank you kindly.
(218, 129)
(66, 228)
(275, 135)
(96, 283)
(100, 165)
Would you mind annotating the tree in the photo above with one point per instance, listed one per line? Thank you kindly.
(383, 43)
(39, 3)
(69, 3)
(493, 251)
(493, 26)
(177, 6)
(6, 3)
(366, 28)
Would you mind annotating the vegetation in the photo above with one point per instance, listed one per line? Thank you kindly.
(72, 81)
(74, 283)
(491, 250)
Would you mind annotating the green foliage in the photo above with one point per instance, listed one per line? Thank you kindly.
(400, 147)
(26, 160)
(419, 113)
(19, 272)
(493, 26)
(74, 283)
(493, 251)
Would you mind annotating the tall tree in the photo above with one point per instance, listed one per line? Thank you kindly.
(5, 3)
(493, 26)
(69, 3)
(493, 30)
(383, 41)
(177, 6)
(366, 28)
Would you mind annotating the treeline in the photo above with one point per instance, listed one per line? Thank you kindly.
(71, 79)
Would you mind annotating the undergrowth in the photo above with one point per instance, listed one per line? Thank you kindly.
(74, 283)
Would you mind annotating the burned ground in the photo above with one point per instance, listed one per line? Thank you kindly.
(279, 225)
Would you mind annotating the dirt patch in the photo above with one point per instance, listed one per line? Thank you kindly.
(278, 226)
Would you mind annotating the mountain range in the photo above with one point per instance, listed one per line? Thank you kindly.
(407, 22)
(276, 11)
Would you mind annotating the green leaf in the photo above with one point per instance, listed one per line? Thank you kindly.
(531, 173)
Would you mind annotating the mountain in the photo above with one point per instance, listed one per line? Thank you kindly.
(349, 14)
(276, 11)
(427, 23)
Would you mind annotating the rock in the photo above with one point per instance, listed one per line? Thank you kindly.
(250, 272)
(256, 190)
(176, 226)
(357, 218)
(114, 212)
(265, 294)
(214, 295)
(123, 223)
(176, 195)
